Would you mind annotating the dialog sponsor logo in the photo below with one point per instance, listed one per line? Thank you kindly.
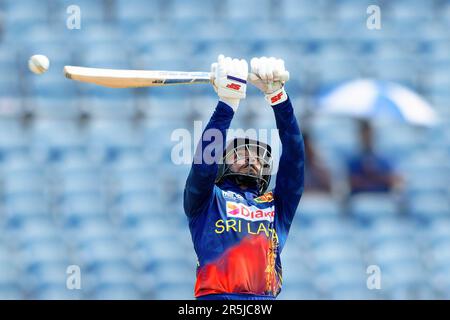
(250, 213)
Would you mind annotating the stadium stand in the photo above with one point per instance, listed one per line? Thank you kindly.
(86, 176)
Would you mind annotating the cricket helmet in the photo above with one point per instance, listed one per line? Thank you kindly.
(250, 150)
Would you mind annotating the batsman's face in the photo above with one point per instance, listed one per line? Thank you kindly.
(244, 160)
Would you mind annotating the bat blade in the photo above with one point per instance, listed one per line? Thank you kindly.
(115, 78)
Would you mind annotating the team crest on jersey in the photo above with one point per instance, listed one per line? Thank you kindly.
(232, 195)
(267, 197)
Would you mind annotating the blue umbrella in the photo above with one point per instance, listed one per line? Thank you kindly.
(367, 98)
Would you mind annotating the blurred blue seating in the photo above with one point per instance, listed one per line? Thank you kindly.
(90, 230)
(76, 166)
(109, 138)
(11, 110)
(13, 140)
(110, 108)
(369, 207)
(44, 259)
(438, 231)
(99, 254)
(441, 282)
(403, 11)
(336, 133)
(99, 56)
(50, 85)
(394, 253)
(137, 208)
(9, 275)
(21, 183)
(116, 292)
(150, 230)
(343, 282)
(300, 10)
(318, 206)
(331, 254)
(82, 206)
(10, 293)
(134, 186)
(20, 209)
(95, 34)
(389, 231)
(134, 12)
(303, 292)
(351, 9)
(352, 292)
(10, 86)
(175, 292)
(55, 292)
(428, 207)
(439, 255)
(404, 281)
(172, 109)
(24, 209)
(28, 10)
(248, 10)
(182, 10)
(173, 273)
(52, 139)
(145, 33)
(328, 231)
(107, 196)
(51, 108)
(68, 186)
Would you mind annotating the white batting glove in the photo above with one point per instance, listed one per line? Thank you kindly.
(269, 75)
(229, 78)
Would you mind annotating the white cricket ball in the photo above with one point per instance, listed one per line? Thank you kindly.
(38, 64)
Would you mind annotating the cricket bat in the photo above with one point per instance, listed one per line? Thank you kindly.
(116, 78)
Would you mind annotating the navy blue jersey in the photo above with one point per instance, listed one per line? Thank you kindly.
(238, 235)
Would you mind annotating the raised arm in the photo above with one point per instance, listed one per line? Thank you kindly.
(230, 84)
(290, 177)
(289, 186)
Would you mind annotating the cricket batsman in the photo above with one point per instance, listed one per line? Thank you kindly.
(237, 227)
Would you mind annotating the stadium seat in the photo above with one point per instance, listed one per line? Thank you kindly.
(13, 140)
(10, 293)
(183, 11)
(314, 207)
(116, 292)
(369, 207)
(342, 282)
(110, 108)
(331, 254)
(428, 207)
(136, 11)
(175, 292)
(438, 231)
(328, 231)
(108, 139)
(52, 139)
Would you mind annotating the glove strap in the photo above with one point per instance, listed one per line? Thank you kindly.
(276, 97)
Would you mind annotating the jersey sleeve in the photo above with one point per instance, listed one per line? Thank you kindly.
(199, 188)
(289, 182)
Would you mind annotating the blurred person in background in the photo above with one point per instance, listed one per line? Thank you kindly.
(317, 175)
(369, 171)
